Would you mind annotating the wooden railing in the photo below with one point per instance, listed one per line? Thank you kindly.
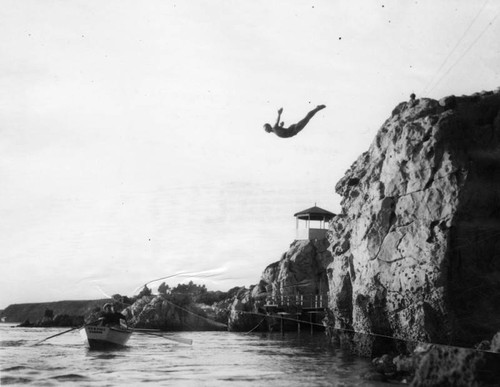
(315, 301)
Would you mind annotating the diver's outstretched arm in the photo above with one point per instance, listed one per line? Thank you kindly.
(280, 110)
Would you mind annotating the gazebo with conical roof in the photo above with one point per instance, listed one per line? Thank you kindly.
(315, 219)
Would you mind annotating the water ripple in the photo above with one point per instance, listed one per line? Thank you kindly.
(69, 377)
(15, 368)
(14, 380)
(214, 359)
(12, 343)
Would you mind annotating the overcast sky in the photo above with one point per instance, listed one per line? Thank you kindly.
(131, 132)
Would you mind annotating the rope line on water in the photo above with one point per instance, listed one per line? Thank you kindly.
(254, 328)
(369, 333)
(197, 315)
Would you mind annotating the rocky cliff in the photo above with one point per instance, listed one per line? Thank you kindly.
(416, 250)
(415, 253)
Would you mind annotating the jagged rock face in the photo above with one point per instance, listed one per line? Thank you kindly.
(449, 366)
(416, 249)
(300, 271)
(157, 312)
(245, 313)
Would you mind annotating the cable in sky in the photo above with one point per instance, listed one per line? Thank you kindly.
(200, 274)
(424, 91)
(466, 51)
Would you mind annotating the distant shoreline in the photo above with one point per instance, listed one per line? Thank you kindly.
(34, 312)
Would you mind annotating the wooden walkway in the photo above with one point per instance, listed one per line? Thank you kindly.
(297, 309)
(301, 301)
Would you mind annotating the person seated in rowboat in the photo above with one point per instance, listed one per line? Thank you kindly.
(279, 129)
(109, 317)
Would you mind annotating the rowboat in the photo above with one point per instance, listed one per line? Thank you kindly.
(105, 337)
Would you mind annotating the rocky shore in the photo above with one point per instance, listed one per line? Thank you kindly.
(158, 312)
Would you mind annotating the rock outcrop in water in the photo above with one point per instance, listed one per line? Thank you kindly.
(245, 311)
(159, 313)
(416, 250)
(300, 272)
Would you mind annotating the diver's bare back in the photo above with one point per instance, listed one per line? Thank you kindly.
(293, 129)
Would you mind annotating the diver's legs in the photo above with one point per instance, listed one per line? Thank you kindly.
(300, 125)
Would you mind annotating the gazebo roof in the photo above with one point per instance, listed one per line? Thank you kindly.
(314, 213)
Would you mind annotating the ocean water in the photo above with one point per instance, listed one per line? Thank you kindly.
(214, 359)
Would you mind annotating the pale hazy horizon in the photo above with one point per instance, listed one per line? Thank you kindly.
(131, 132)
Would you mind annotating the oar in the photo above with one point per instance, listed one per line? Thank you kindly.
(62, 333)
(177, 339)
(59, 334)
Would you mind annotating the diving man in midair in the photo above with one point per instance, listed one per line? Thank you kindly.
(293, 129)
